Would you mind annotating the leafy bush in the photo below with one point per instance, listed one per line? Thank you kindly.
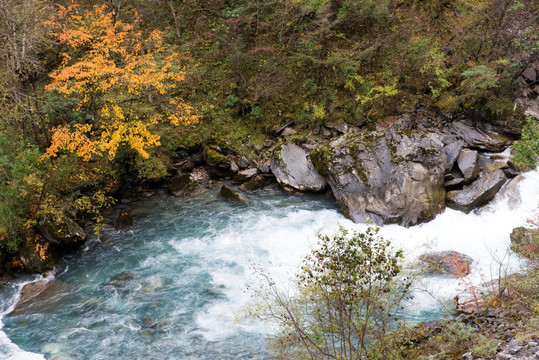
(527, 149)
(21, 184)
(345, 298)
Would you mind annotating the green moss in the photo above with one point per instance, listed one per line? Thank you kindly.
(212, 155)
(320, 158)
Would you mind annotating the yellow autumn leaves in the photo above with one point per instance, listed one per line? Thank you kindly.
(119, 77)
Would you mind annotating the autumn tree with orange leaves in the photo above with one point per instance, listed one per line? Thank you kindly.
(123, 80)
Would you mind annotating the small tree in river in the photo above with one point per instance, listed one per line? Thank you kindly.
(345, 298)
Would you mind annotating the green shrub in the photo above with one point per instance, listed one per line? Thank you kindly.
(21, 183)
(346, 296)
(527, 149)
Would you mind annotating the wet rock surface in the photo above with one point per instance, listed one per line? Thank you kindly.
(468, 163)
(452, 152)
(478, 193)
(40, 296)
(230, 195)
(61, 231)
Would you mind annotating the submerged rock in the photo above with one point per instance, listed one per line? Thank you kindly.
(478, 193)
(394, 176)
(447, 262)
(121, 280)
(40, 296)
(293, 170)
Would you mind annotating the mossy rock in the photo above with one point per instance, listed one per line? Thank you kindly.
(525, 242)
(214, 157)
(390, 176)
(36, 256)
(61, 231)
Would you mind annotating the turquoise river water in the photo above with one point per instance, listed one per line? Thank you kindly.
(173, 286)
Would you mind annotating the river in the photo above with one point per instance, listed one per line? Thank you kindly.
(173, 286)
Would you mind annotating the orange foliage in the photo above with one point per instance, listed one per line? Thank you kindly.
(120, 78)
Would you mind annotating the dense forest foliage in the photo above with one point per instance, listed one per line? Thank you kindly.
(100, 95)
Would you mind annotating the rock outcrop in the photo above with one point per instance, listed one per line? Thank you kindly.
(294, 171)
(394, 176)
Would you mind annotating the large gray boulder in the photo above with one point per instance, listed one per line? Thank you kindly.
(294, 171)
(478, 193)
(391, 176)
(478, 138)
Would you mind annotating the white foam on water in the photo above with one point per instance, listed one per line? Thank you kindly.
(279, 244)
